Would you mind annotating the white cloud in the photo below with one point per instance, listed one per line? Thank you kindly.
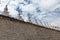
(21, 1)
(13, 13)
(56, 22)
(27, 8)
(48, 4)
(46, 7)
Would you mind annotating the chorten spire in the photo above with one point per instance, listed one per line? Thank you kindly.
(5, 12)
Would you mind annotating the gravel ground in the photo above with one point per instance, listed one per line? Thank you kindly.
(11, 29)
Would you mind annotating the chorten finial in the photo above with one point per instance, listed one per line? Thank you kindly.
(5, 12)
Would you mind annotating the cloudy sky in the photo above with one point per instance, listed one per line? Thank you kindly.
(39, 11)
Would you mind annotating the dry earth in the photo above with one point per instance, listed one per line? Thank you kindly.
(12, 29)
